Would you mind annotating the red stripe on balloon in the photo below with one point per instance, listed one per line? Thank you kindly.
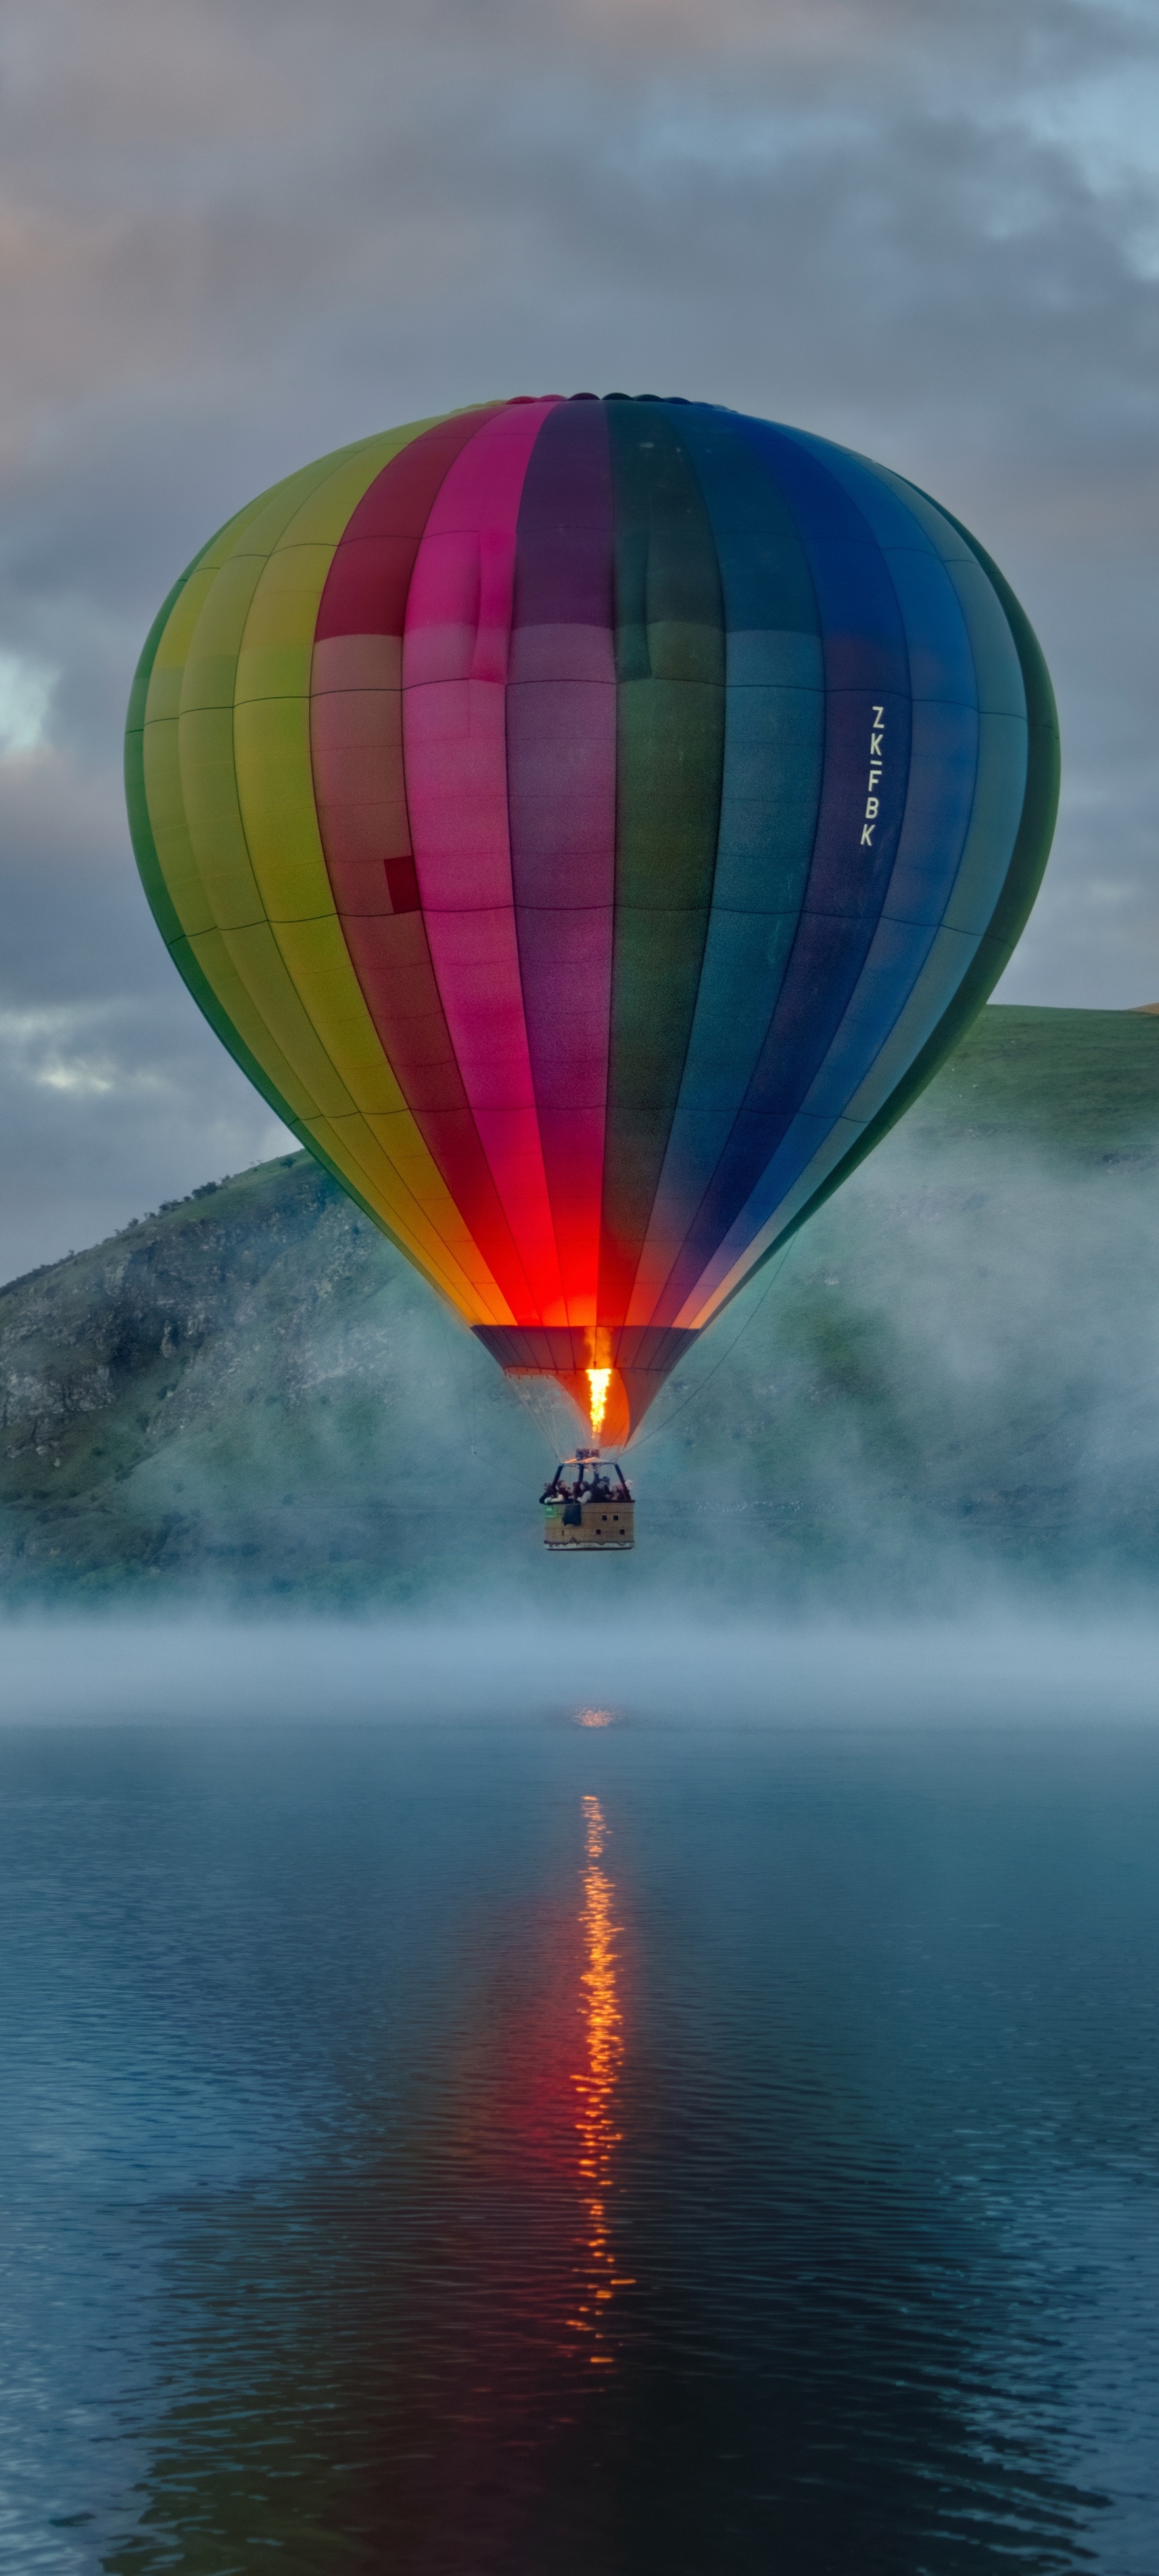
(357, 751)
(456, 653)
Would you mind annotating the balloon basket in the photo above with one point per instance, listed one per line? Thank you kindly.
(588, 1506)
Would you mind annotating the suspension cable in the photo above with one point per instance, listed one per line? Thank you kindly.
(659, 1427)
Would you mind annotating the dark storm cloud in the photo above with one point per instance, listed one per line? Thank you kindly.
(231, 236)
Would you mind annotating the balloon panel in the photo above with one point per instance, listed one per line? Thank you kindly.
(589, 822)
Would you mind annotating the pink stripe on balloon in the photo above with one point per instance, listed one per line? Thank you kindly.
(561, 772)
(455, 663)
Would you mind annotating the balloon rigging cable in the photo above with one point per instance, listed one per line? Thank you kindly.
(658, 1427)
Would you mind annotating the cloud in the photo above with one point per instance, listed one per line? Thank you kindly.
(234, 235)
(25, 698)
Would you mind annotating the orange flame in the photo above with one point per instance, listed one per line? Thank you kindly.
(599, 1381)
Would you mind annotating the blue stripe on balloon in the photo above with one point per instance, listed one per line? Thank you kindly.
(897, 953)
(867, 667)
(944, 754)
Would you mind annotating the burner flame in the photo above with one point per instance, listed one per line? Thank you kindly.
(599, 1381)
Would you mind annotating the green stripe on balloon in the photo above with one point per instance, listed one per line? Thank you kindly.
(165, 915)
(670, 661)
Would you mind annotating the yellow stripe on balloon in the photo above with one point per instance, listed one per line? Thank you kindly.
(212, 954)
(274, 953)
(259, 962)
(360, 1154)
(213, 951)
(177, 859)
(169, 823)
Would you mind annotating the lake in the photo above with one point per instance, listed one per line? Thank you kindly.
(571, 2146)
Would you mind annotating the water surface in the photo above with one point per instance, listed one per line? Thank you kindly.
(579, 2149)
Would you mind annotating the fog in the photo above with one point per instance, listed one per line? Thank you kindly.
(937, 1412)
(990, 1670)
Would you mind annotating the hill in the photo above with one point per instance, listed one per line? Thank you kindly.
(950, 1375)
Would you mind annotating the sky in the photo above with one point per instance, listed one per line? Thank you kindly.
(236, 233)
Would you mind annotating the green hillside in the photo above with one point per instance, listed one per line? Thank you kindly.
(952, 1374)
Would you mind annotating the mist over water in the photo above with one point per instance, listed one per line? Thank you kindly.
(999, 1665)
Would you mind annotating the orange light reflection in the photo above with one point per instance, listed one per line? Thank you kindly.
(596, 2087)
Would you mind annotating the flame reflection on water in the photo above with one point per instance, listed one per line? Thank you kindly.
(596, 2085)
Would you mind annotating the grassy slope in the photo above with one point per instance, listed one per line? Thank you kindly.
(955, 1368)
(1083, 1082)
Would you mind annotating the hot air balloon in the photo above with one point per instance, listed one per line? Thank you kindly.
(589, 823)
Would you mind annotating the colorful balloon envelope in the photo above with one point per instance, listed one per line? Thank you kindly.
(590, 823)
